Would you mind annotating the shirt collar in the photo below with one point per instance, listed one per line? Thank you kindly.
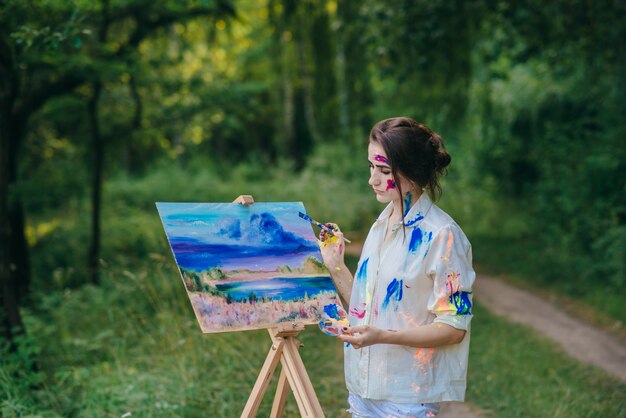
(414, 215)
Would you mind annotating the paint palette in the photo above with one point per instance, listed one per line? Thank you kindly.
(333, 320)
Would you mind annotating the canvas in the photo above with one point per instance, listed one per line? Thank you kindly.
(248, 267)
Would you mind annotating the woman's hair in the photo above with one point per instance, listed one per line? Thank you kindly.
(414, 151)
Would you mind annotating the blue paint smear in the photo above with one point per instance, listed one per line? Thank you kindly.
(418, 237)
(362, 273)
(430, 237)
(407, 203)
(283, 288)
(462, 303)
(416, 240)
(415, 220)
(332, 311)
(394, 291)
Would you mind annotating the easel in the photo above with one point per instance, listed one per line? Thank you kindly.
(293, 374)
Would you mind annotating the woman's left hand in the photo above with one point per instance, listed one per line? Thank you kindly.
(361, 336)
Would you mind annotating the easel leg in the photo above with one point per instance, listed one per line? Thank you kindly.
(282, 390)
(293, 374)
(256, 396)
(303, 391)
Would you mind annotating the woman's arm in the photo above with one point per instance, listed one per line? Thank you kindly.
(431, 335)
(332, 247)
(343, 283)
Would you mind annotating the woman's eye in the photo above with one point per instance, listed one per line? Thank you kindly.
(385, 172)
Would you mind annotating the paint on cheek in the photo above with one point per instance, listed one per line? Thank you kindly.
(390, 185)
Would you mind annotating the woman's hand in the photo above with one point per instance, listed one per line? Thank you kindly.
(362, 335)
(332, 247)
(244, 199)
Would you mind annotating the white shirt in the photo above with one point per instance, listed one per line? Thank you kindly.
(414, 278)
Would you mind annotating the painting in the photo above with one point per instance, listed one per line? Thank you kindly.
(248, 267)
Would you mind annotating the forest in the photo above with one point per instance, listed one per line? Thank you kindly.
(109, 106)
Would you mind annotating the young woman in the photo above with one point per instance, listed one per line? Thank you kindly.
(410, 301)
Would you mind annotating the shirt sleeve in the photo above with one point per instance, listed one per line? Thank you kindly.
(449, 264)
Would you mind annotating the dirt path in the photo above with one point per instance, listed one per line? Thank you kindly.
(579, 340)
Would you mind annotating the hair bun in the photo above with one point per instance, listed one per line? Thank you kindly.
(442, 159)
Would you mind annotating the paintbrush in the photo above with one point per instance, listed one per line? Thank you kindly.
(324, 227)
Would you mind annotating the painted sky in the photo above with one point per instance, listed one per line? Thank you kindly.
(261, 236)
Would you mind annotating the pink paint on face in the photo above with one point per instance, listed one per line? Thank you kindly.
(390, 185)
(381, 159)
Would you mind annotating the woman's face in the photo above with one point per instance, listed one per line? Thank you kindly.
(381, 179)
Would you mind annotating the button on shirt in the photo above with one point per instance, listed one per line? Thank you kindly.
(418, 275)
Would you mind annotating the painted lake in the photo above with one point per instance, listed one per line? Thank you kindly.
(284, 288)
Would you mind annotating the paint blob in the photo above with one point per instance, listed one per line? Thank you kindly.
(408, 200)
(390, 185)
(381, 159)
(415, 220)
(333, 320)
(362, 273)
(461, 302)
(359, 313)
(394, 291)
(418, 237)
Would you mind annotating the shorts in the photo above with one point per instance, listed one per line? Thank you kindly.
(371, 408)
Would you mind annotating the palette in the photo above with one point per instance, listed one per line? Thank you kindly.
(334, 319)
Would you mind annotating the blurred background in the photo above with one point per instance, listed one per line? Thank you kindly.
(108, 106)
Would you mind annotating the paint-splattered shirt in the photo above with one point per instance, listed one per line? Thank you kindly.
(418, 275)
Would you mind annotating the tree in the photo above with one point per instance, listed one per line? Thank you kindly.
(48, 51)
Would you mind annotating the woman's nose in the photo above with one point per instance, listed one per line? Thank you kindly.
(374, 180)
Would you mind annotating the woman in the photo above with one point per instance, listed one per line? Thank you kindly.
(410, 301)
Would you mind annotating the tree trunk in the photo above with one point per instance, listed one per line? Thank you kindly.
(11, 266)
(342, 88)
(96, 185)
(305, 82)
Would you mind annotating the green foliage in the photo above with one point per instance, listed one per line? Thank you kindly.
(19, 376)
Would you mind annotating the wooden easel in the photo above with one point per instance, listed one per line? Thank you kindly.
(293, 374)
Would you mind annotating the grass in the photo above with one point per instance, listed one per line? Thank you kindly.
(515, 373)
(133, 345)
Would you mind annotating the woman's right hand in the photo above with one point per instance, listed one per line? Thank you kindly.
(332, 247)
(244, 199)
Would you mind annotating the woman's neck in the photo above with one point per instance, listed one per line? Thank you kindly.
(410, 198)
